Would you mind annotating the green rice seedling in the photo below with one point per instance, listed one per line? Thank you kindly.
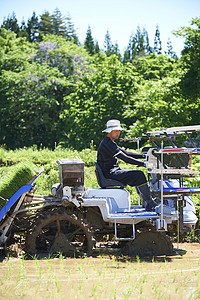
(38, 269)
(165, 260)
(137, 259)
(94, 289)
(128, 278)
(80, 267)
(155, 289)
(105, 264)
(176, 289)
(80, 286)
(18, 176)
(114, 261)
(141, 290)
(144, 278)
(127, 292)
(72, 285)
(114, 293)
(9, 272)
(58, 286)
(99, 272)
(23, 269)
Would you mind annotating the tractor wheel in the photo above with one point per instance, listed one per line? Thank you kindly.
(148, 243)
(60, 232)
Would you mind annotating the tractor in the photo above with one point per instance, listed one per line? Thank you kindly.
(76, 220)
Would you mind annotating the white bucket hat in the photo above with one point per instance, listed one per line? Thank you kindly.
(113, 125)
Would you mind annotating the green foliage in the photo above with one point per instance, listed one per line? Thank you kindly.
(157, 42)
(190, 81)
(156, 105)
(55, 91)
(45, 24)
(33, 84)
(89, 42)
(138, 46)
(109, 48)
(100, 96)
(156, 67)
(190, 57)
(18, 176)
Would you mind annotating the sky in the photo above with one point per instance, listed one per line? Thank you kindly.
(120, 17)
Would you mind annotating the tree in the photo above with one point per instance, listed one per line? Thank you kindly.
(157, 42)
(148, 49)
(45, 25)
(96, 47)
(190, 58)
(116, 51)
(32, 28)
(157, 104)
(190, 83)
(130, 51)
(71, 32)
(170, 52)
(155, 67)
(100, 96)
(89, 42)
(138, 46)
(23, 30)
(108, 46)
(34, 80)
(139, 37)
(58, 23)
(11, 24)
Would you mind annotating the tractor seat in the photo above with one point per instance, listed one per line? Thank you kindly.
(104, 182)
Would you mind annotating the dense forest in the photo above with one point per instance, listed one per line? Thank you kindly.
(55, 91)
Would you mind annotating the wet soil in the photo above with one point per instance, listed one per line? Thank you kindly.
(103, 276)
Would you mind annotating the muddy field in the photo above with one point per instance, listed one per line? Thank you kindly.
(103, 276)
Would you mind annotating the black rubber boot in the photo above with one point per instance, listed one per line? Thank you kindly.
(145, 194)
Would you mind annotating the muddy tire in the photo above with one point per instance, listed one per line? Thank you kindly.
(59, 231)
(148, 243)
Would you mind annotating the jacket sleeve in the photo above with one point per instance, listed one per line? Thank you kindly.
(132, 154)
(130, 159)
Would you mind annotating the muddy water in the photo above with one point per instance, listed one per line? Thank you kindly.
(104, 276)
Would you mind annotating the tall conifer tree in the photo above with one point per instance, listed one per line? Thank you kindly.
(108, 46)
(89, 42)
(157, 42)
(45, 24)
(32, 28)
(58, 23)
(11, 24)
(71, 32)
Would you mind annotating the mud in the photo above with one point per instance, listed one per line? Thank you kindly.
(104, 276)
(149, 244)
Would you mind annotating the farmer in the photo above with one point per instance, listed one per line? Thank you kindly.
(107, 158)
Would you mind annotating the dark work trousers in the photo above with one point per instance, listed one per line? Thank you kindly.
(134, 178)
(127, 177)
